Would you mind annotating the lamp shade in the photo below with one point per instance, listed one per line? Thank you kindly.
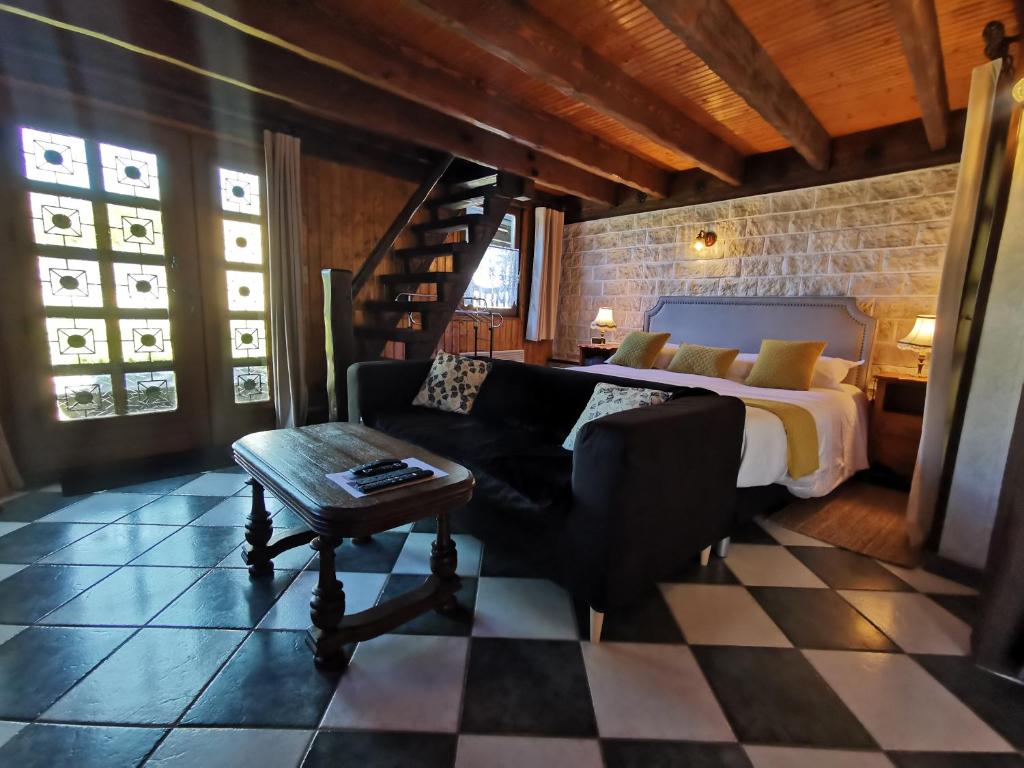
(604, 318)
(921, 334)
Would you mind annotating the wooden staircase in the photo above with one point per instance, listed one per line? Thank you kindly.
(418, 288)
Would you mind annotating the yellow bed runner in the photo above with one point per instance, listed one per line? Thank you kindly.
(801, 434)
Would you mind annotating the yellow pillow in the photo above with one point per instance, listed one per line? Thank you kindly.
(639, 349)
(785, 364)
(702, 361)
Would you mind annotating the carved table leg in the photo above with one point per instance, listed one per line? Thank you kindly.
(257, 533)
(444, 560)
(327, 607)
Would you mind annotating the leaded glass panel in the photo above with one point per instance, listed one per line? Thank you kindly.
(239, 192)
(252, 384)
(245, 291)
(59, 220)
(243, 242)
(248, 338)
(70, 282)
(150, 391)
(76, 340)
(140, 286)
(145, 341)
(129, 172)
(83, 397)
(55, 158)
(135, 230)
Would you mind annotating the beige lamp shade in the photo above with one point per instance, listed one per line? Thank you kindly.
(604, 318)
(921, 335)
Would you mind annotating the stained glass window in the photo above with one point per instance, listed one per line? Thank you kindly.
(129, 172)
(243, 242)
(239, 192)
(245, 291)
(145, 341)
(150, 391)
(55, 158)
(140, 286)
(59, 220)
(70, 282)
(252, 384)
(248, 338)
(76, 340)
(135, 230)
(83, 397)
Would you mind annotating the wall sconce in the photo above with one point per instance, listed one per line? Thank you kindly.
(704, 240)
(1018, 91)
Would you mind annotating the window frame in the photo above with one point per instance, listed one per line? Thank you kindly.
(521, 242)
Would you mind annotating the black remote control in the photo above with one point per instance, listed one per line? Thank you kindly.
(399, 478)
(378, 467)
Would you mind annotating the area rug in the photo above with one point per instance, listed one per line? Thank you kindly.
(858, 516)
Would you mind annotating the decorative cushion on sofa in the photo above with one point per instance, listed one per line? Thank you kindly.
(608, 399)
(452, 383)
(639, 349)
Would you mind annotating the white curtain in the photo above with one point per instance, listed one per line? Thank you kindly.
(547, 272)
(287, 278)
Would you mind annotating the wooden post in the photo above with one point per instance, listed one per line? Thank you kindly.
(340, 343)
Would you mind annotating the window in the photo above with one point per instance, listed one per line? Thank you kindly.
(97, 228)
(495, 283)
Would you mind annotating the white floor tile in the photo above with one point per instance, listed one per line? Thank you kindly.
(401, 683)
(212, 484)
(535, 609)
(7, 631)
(6, 528)
(291, 611)
(712, 614)
(923, 581)
(8, 569)
(230, 748)
(8, 730)
(798, 757)
(99, 508)
(415, 554)
(787, 537)
(650, 691)
(767, 565)
(233, 511)
(915, 623)
(901, 705)
(520, 751)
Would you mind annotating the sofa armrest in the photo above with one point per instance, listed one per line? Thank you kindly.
(651, 487)
(383, 385)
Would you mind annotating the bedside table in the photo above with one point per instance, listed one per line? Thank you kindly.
(594, 354)
(895, 429)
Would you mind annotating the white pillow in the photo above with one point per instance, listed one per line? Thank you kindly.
(611, 398)
(830, 372)
(665, 356)
(741, 366)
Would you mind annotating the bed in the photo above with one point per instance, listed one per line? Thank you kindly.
(840, 415)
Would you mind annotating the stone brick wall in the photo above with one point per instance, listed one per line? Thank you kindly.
(880, 240)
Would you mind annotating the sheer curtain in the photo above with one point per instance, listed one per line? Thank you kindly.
(547, 271)
(287, 278)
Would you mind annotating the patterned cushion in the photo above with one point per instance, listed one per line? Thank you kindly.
(785, 364)
(608, 399)
(639, 349)
(702, 361)
(453, 383)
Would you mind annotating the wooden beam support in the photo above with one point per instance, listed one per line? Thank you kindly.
(525, 38)
(713, 31)
(918, 26)
(202, 46)
(342, 42)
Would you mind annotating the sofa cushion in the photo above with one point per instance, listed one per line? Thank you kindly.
(452, 383)
(610, 398)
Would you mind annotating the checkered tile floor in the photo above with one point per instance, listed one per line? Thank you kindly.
(130, 633)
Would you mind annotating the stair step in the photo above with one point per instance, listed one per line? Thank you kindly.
(473, 182)
(404, 306)
(441, 249)
(407, 335)
(415, 278)
(462, 198)
(453, 224)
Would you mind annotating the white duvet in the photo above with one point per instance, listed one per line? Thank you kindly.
(839, 415)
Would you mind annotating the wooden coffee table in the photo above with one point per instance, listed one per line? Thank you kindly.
(293, 465)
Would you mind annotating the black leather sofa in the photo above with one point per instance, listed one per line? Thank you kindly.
(644, 491)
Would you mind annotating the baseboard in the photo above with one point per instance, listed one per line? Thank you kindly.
(943, 566)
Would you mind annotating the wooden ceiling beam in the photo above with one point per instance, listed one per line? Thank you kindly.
(203, 46)
(540, 48)
(713, 31)
(918, 25)
(342, 42)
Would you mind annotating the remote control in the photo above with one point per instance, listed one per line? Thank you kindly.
(401, 478)
(378, 467)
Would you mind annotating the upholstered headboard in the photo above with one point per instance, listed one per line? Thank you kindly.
(727, 321)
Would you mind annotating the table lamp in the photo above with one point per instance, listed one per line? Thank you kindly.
(603, 322)
(920, 339)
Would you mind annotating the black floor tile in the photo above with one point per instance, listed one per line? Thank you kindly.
(715, 572)
(536, 687)
(820, 619)
(130, 597)
(32, 593)
(44, 746)
(964, 607)
(998, 702)
(35, 541)
(40, 663)
(842, 569)
(172, 510)
(30, 507)
(271, 681)
(149, 680)
(159, 486)
(429, 525)
(194, 546)
(752, 533)
(954, 760)
(510, 563)
(647, 621)
(225, 598)
(375, 556)
(459, 623)
(775, 696)
(114, 544)
(367, 749)
(621, 753)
